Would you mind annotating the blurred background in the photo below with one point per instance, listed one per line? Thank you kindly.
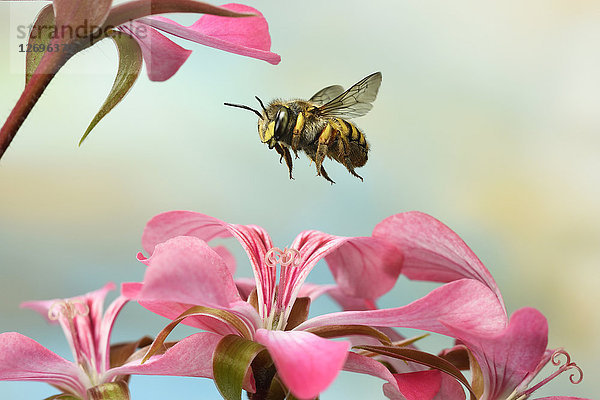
(487, 119)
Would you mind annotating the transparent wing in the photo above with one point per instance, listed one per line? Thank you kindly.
(354, 102)
(327, 94)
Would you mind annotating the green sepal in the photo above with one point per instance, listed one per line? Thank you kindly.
(130, 65)
(109, 391)
(62, 397)
(41, 35)
(423, 358)
(232, 358)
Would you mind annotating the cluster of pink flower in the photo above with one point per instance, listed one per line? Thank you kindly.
(256, 335)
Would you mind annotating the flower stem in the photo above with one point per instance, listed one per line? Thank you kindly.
(49, 65)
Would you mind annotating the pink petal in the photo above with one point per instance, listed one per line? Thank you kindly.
(507, 357)
(314, 291)
(375, 261)
(245, 286)
(186, 270)
(425, 385)
(255, 240)
(24, 359)
(351, 303)
(248, 36)
(172, 310)
(104, 330)
(432, 251)
(162, 56)
(183, 272)
(465, 303)
(421, 385)
(367, 365)
(191, 356)
(227, 258)
(306, 363)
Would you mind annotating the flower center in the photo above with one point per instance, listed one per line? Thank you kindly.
(278, 301)
(562, 368)
(67, 313)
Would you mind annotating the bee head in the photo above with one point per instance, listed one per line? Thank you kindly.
(272, 123)
(272, 128)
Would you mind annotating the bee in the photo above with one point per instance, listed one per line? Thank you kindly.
(319, 126)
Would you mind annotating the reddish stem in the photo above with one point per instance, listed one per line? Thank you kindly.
(50, 64)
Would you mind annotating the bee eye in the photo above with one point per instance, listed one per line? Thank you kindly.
(281, 121)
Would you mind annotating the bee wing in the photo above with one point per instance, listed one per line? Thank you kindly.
(327, 94)
(354, 102)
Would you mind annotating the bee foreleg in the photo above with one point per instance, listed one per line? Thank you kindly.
(279, 151)
(288, 160)
(284, 154)
(326, 137)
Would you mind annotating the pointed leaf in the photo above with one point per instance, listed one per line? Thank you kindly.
(130, 65)
(40, 35)
(333, 331)
(221, 315)
(231, 361)
(423, 358)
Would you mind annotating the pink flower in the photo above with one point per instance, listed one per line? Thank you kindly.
(87, 329)
(183, 271)
(244, 36)
(504, 365)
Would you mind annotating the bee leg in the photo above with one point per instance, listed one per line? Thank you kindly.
(295, 153)
(326, 137)
(288, 160)
(284, 154)
(279, 151)
(298, 127)
(344, 150)
(325, 175)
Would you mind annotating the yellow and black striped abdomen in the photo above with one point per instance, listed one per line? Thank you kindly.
(352, 142)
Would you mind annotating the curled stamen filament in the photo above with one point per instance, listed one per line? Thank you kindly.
(556, 361)
(68, 309)
(286, 257)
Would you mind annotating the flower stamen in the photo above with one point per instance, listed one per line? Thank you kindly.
(68, 309)
(286, 257)
(562, 368)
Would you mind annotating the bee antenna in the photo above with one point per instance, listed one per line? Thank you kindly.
(261, 103)
(245, 108)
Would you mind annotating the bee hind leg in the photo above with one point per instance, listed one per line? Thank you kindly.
(344, 152)
(326, 176)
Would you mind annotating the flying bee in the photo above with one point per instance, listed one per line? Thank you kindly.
(319, 126)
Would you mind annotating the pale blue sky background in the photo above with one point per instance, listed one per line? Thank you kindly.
(487, 119)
